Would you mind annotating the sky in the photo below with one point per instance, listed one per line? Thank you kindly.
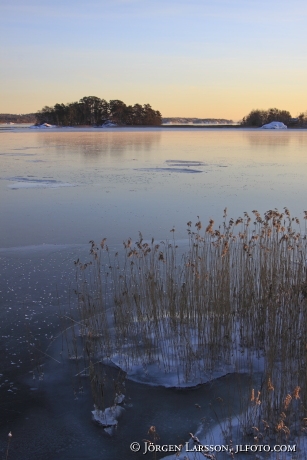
(188, 58)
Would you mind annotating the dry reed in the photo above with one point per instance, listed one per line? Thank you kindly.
(236, 297)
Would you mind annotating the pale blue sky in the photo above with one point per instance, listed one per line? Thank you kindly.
(205, 58)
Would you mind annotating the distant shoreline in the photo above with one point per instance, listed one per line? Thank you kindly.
(6, 127)
(202, 126)
(228, 127)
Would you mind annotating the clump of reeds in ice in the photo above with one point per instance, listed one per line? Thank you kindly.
(236, 297)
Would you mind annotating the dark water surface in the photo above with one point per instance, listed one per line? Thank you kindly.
(40, 397)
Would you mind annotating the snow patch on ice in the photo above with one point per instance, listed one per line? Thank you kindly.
(155, 373)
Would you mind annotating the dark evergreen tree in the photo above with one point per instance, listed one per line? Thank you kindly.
(261, 117)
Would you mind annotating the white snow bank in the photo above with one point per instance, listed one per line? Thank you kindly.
(44, 125)
(274, 125)
(107, 124)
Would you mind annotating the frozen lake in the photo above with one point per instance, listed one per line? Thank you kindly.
(66, 187)
(61, 188)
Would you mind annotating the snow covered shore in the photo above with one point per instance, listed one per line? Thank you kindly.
(43, 126)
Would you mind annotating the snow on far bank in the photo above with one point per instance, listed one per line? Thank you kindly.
(43, 126)
(274, 125)
(107, 124)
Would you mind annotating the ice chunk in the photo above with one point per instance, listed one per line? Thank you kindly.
(108, 417)
(119, 398)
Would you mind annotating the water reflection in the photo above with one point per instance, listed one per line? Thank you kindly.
(126, 180)
(272, 139)
(95, 144)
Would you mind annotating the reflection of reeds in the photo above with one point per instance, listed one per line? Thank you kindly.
(8, 445)
(236, 296)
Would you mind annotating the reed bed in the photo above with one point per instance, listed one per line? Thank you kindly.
(235, 300)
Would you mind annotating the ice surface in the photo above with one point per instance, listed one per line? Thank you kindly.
(154, 374)
(41, 248)
(17, 154)
(228, 433)
(25, 182)
(41, 184)
(169, 170)
(174, 372)
(213, 436)
(177, 166)
(274, 125)
(185, 163)
(36, 161)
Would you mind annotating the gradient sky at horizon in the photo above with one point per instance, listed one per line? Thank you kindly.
(201, 58)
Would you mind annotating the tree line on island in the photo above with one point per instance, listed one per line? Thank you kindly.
(17, 118)
(259, 118)
(197, 121)
(92, 110)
